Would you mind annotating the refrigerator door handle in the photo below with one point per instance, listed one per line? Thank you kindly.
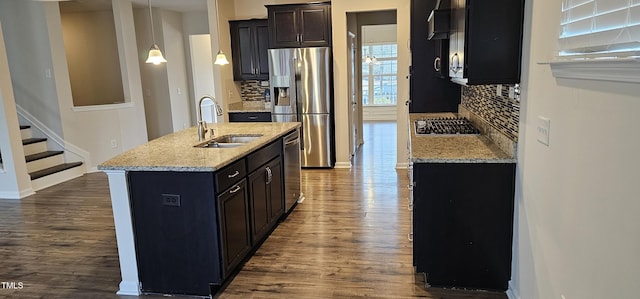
(296, 86)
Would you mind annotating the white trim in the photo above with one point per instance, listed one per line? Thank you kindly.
(102, 107)
(118, 186)
(71, 152)
(343, 165)
(511, 294)
(17, 195)
(618, 70)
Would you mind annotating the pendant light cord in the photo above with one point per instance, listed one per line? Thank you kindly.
(153, 35)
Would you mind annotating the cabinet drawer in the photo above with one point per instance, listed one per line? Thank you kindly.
(249, 116)
(230, 175)
(264, 155)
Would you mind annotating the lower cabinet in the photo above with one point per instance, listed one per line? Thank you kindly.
(235, 233)
(463, 224)
(267, 202)
(192, 230)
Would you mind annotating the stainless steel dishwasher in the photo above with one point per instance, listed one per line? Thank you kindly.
(292, 192)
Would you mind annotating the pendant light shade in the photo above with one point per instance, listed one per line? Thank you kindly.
(155, 55)
(221, 59)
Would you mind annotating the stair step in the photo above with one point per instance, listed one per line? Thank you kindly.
(25, 132)
(32, 140)
(42, 155)
(51, 170)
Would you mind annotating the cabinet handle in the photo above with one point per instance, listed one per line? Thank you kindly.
(437, 64)
(235, 189)
(269, 175)
(233, 175)
(253, 117)
(410, 237)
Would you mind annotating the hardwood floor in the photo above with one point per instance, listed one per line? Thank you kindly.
(347, 239)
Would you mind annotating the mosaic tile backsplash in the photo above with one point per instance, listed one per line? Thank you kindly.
(250, 90)
(501, 112)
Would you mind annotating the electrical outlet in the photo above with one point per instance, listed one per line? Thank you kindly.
(542, 134)
(172, 200)
(114, 143)
(499, 90)
(230, 93)
(179, 90)
(264, 83)
(47, 73)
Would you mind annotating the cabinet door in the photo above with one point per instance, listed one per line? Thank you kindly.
(259, 198)
(315, 29)
(262, 50)
(275, 187)
(234, 226)
(283, 27)
(242, 50)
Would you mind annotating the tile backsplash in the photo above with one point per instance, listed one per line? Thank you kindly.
(500, 111)
(250, 90)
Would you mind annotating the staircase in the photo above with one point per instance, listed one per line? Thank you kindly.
(46, 167)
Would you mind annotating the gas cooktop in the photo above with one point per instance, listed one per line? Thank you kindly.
(445, 126)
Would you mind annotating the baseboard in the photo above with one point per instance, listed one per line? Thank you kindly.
(17, 194)
(343, 165)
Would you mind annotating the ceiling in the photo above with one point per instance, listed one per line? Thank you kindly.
(98, 5)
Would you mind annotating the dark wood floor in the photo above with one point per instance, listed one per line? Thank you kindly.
(348, 239)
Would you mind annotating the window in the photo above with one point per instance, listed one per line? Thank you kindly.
(599, 40)
(600, 27)
(379, 74)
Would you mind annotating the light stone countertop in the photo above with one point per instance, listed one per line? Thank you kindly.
(247, 106)
(453, 149)
(176, 152)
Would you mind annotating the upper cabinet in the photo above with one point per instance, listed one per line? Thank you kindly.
(486, 41)
(249, 46)
(299, 25)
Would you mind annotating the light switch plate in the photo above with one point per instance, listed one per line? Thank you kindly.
(544, 125)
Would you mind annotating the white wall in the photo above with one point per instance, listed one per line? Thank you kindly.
(176, 69)
(28, 50)
(92, 55)
(14, 179)
(157, 100)
(339, 8)
(577, 200)
(193, 23)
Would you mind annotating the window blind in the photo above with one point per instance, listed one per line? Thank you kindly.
(600, 28)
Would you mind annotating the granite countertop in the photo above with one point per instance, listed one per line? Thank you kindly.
(176, 152)
(247, 106)
(453, 149)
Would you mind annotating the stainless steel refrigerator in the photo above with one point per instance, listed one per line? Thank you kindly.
(301, 90)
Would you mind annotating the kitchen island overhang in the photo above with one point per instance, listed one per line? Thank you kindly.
(175, 153)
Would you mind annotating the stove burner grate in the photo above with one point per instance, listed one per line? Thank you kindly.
(445, 126)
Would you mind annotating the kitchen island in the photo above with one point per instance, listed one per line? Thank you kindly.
(462, 199)
(187, 217)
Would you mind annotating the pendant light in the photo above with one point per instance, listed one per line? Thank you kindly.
(221, 59)
(155, 55)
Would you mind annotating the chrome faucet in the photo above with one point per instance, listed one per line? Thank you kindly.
(202, 125)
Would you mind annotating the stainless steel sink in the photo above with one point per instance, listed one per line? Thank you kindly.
(228, 141)
(237, 138)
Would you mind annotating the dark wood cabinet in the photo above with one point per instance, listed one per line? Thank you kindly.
(235, 231)
(430, 90)
(249, 116)
(463, 223)
(265, 187)
(249, 46)
(192, 230)
(486, 41)
(299, 25)
(176, 231)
